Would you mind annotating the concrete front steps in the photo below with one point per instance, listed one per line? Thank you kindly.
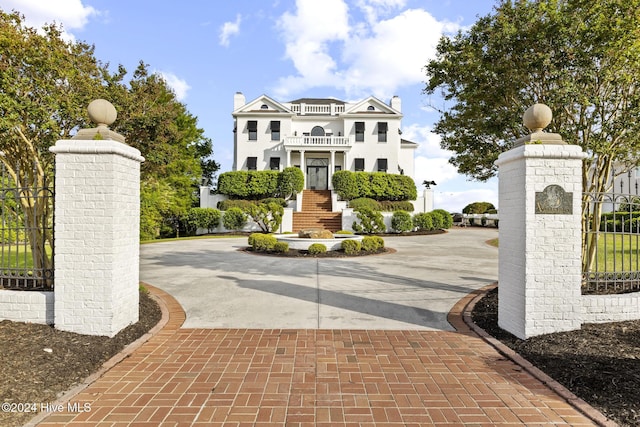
(316, 212)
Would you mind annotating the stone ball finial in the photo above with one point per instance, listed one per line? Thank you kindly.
(537, 117)
(102, 112)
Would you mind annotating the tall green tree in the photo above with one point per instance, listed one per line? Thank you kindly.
(177, 153)
(46, 84)
(580, 57)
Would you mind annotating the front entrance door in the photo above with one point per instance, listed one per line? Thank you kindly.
(317, 177)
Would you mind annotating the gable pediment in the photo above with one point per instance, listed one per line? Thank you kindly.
(371, 105)
(263, 104)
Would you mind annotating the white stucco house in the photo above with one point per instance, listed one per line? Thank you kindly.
(320, 136)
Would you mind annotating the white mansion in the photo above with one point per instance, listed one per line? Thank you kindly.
(320, 136)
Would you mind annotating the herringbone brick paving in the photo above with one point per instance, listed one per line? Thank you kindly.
(250, 377)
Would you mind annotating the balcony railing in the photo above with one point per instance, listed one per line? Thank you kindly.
(318, 141)
(330, 109)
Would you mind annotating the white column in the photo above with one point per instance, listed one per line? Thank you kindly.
(288, 158)
(345, 161)
(332, 167)
(303, 168)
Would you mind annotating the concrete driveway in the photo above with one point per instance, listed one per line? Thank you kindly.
(414, 288)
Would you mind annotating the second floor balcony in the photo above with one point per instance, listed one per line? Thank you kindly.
(318, 141)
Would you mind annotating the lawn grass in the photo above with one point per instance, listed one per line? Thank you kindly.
(17, 256)
(617, 252)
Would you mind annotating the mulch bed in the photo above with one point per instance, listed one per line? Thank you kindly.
(38, 363)
(599, 363)
(294, 253)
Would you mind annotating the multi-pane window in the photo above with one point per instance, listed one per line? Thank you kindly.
(252, 127)
(359, 164)
(274, 163)
(382, 165)
(359, 131)
(382, 131)
(275, 130)
(252, 163)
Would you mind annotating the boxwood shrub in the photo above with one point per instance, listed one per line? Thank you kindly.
(372, 243)
(375, 185)
(401, 221)
(234, 219)
(281, 247)
(369, 221)
(351, 247)
(447, 219)
(423, 221)
(263, 242)
(317, 248)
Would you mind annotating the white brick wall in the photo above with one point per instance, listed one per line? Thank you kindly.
(611, 308)
(27, 306)
(97, 236)
(540, 254)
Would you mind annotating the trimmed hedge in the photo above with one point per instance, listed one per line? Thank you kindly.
(207, 218)
(256, 185)
(447, 219)
(375, 185)
(253, 185)
(372, 243)
(317, 248)
(234, 219)
(281, 247)
(423, 221)
(351, 247)
(263, 242)
(383, 205)
(401, 221)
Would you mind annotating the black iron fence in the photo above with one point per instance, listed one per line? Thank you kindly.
(26, 229)
(611, 245)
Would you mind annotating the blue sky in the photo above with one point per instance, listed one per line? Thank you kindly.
(287, 49)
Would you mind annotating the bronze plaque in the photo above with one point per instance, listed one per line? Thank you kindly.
(554, 200)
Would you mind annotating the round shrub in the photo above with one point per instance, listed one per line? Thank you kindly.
(423, 221)
(317, 248)
(264, 242)
(401, 221)
(234, 219)
(252, 238)
(438, 219)
(447, 219)
(281, 247)
(290, 182)
(343, 232)
(351, 247)
(372, 243)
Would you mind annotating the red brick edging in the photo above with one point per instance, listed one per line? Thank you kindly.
(173, 316)
(460, 318)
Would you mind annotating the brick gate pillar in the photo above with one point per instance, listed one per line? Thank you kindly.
(540, 190)
(97, 217)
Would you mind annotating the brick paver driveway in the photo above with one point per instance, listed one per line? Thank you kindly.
(419, 376)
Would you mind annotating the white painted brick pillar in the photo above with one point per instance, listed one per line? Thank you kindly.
(97, 227)
(540, 189)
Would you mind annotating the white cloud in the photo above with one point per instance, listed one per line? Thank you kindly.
(178, 85)
(330, 47)
(229, 29)
(72, 14)
(431, 161)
